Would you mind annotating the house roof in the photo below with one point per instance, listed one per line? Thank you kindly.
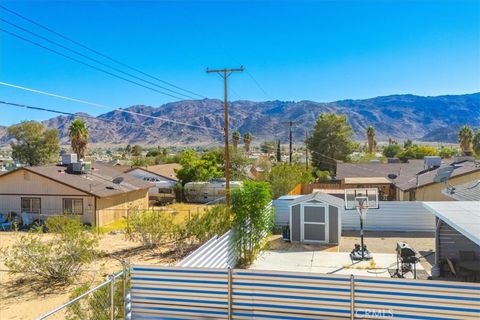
(164, 170)
(464, 216)
(319, 196)
(465, 192)
(97, 183)
(406, 172)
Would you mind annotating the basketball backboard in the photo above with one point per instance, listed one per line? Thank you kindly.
(371, 194)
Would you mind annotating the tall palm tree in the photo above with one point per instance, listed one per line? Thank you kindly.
(465, 137)
(236, 139)
(476, 142)
(247, 140)
(371, 139)
(78, 133)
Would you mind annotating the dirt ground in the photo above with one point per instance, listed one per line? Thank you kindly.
(22, 299)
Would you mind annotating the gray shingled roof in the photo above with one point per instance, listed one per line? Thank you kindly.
(98, 182)
(406, 172)
(465, 192)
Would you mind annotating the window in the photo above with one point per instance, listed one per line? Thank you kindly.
(73, 206)
(31, 205)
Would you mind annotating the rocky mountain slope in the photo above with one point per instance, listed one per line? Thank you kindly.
(398, 116)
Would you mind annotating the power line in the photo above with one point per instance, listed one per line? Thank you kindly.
(88, 64)
(219, 131)
(99, 53)
(93, 59)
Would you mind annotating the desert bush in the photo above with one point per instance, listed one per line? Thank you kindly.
(151, 228)
(58, 260)
(214, 221)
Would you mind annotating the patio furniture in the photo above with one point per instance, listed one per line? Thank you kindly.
(27, 220)
(4, 223)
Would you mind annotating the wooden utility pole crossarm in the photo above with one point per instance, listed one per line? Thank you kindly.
(225, 73)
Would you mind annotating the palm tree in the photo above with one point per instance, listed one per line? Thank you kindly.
(465, 137)
(78, 133)
(476, 142)
(247, 139)
(370, 139)
(236, 138)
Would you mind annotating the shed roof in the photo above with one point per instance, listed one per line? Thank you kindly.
(323, 197)
(464, 216)
(97, 183)
(469, 191)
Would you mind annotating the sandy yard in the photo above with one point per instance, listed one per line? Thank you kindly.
(28, 300)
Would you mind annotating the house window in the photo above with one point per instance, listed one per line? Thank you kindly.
(73, 206)
(31, 205)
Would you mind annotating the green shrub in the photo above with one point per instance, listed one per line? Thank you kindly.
(391, 150)
(58, 260)
(151, 228)
(214, 221)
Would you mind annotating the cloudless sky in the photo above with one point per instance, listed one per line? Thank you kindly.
(296, 50)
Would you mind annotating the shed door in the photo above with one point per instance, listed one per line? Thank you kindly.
(315, 223)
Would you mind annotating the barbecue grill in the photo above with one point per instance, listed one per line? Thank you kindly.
(406, 260)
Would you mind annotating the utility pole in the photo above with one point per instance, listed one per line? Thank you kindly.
(290, 138)
(225, 73)
(306, 149)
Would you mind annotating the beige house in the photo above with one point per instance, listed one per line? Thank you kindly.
(413, 180)
(51, 190)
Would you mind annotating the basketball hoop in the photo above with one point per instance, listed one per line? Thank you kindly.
(362, 206)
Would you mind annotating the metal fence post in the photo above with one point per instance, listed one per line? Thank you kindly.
(352, 297)
(229, 293)
(124, 290)
(112, 297)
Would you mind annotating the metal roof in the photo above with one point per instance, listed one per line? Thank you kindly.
(323, 197)
(464, 216)
(465, 192)
(367, 180)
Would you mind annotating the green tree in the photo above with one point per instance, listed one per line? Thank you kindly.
(279, 152)
(476, 142)
(268, 146)
(247, 140)
(370, 139)
(331, 139)
(252, 219)
(284, 177)
(136, 150)
(323, 175)
(198, 169)
(465, 137)
(417, 152)
(407, 144)
(447, 152)
(236, 139)
(391, 150)
(78, 133)
(33, 144)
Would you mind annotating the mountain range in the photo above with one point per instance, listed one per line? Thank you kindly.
(398, 117)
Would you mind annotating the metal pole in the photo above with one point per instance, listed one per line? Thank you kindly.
(229, 293)
(361, 236)
(112, 297)
(290, 140)
(124, 290)
(352, 297)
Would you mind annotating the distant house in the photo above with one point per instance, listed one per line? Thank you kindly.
(53, 190)
(162, 179)
(414, 180)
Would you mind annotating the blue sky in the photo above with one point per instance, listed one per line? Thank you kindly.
(296, 50)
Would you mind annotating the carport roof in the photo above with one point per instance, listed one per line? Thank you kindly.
(464, 216)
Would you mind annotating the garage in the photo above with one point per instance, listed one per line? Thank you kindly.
(316, 218)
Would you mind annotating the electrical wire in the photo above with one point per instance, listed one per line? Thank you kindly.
(87, 64)
(99, 53)
(93, 59)
(108, 107)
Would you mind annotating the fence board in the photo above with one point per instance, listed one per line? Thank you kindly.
(203, 293)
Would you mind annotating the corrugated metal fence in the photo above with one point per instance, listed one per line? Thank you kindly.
(194, 293)
(391, 216)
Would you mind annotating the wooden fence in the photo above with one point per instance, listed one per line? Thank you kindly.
(200, 293)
